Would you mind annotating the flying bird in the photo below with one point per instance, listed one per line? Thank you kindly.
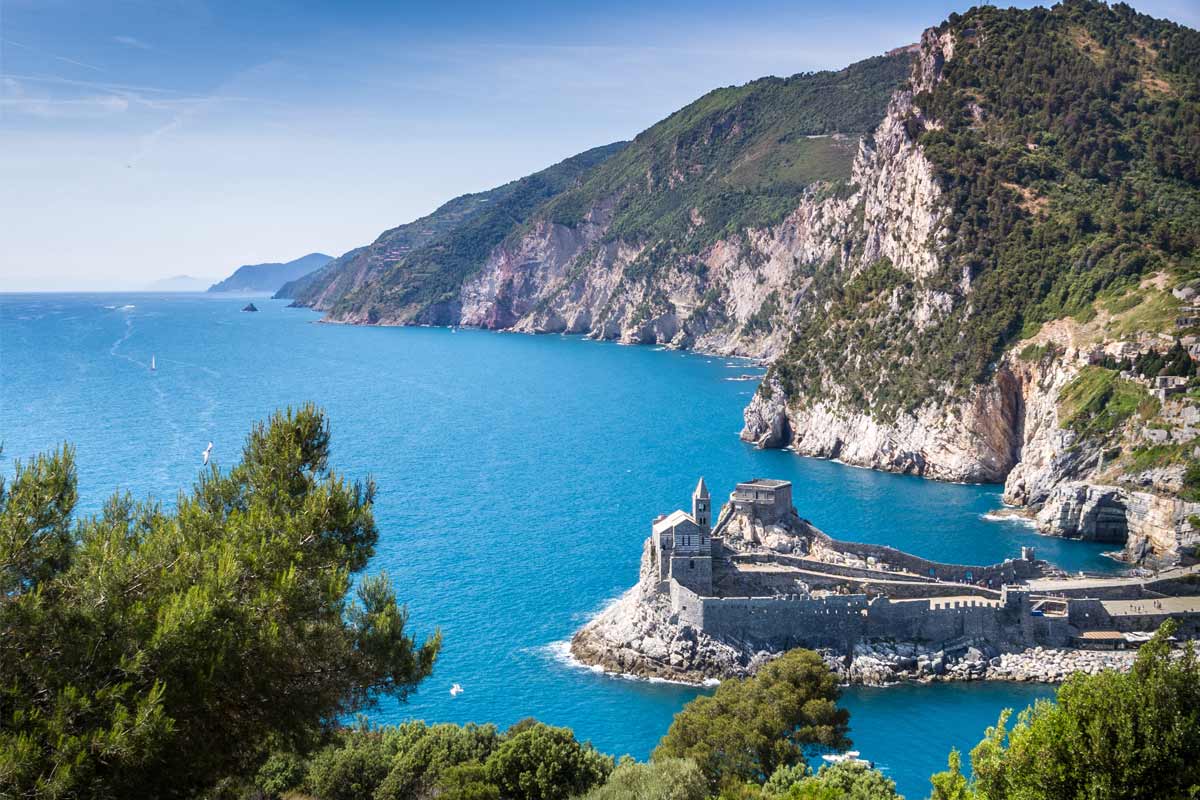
(207, 452)
(456, 690)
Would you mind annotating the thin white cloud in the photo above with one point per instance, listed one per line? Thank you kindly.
(131, 41)
(15, 99)
(63, 59)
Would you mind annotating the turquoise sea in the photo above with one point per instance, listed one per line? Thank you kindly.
(517, 479)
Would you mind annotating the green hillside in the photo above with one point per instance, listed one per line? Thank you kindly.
(422, 263)
(1067, 144)
(740, 157)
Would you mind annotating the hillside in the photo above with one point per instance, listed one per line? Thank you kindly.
(270, 276)
(412, 269)
(936, 249)
(680, 197)
(1032, 332)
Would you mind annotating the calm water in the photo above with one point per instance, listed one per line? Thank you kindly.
(518, 476)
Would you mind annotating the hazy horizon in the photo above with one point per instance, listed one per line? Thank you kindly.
(139, 142)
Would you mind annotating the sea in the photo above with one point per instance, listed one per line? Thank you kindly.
(517, 478)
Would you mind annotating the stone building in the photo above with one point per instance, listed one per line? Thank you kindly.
(683, 544)
(821, 592)
(765, 500)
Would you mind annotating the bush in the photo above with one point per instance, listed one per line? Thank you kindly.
(663, 779)
(749, 728)
(544, 763)
(352, 769)
(423, 752)
(1110, 736)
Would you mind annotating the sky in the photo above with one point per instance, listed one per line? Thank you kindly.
(141, 139)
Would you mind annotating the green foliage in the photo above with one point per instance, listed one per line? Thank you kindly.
(423, 751)
(844, 781)
(545, 763)
(1107, 736)
(1098, 401)
(280, 773)
(952, 784)
(661, 779)
(147, 652)
(749, 728)
(466, 782)
(1079, 173)
(354, 768)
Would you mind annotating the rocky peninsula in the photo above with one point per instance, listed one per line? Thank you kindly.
(719, 600)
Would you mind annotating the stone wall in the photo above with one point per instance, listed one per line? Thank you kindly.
(780, 623)
(993, 575)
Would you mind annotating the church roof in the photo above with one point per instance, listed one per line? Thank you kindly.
(672, 520)
(701, 489)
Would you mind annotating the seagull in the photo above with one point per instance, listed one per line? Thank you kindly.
(456, 690)
(206, 453)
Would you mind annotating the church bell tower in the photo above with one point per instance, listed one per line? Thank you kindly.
(702, 509)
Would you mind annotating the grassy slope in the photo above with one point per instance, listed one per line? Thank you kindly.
(739, 156)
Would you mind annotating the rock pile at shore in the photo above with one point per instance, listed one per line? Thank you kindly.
(884, 663)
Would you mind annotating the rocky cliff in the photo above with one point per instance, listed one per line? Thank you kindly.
(1071, 416)
(908, 240)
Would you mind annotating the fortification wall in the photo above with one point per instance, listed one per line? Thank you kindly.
(993, 575)
(779, 623)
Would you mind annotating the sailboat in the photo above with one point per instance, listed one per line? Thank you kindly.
(152, 366)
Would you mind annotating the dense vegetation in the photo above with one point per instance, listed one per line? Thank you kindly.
(423, 263)
(1111, 736)
(154, 653)
(212, 651)
(1067, 145)
(740, 156)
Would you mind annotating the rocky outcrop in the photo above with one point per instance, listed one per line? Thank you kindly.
(1147, 526)
(886, 663)
(970, 442)
(726, 299)
(638, 635)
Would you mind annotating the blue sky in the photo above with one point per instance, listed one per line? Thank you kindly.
(149, 138)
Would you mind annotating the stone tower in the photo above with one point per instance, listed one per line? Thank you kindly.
(702, 508)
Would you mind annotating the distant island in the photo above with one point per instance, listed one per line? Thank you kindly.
(271, 276)
(178, 283)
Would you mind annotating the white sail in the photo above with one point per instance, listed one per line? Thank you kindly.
(152, 363)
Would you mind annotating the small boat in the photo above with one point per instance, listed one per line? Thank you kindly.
(848, 757)
(152, 366)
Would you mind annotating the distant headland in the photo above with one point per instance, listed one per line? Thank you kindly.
(718, 600)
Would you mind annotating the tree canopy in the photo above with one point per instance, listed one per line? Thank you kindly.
(749, 728)
(1132, 735)
(157, 652)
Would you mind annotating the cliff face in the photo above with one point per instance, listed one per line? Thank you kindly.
(908, 240)
(722, 300)
(913, 367)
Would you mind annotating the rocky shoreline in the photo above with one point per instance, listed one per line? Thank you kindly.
(886, 664)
